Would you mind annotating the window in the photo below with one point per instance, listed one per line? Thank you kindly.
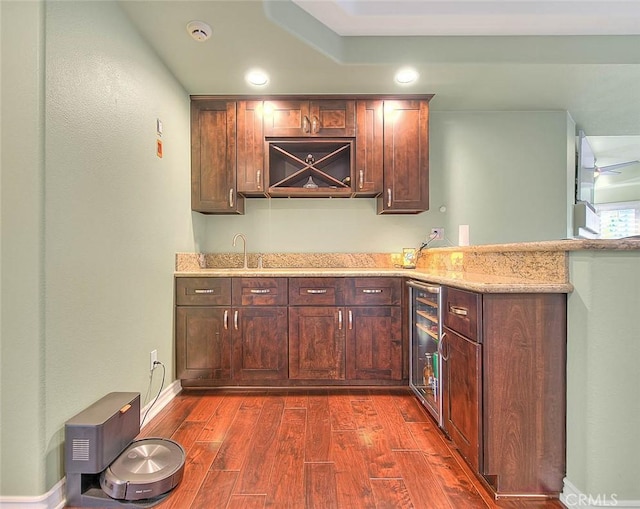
(618, 220)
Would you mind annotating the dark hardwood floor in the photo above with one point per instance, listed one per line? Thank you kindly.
(316, 449)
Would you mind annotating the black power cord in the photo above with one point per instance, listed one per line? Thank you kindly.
(155, 363)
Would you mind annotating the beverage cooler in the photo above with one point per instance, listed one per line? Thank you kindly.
(425, 333)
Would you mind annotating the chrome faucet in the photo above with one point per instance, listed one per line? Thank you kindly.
(244, 245)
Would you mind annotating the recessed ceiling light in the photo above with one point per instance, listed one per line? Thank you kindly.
(199, 30)
(257, 77)
(406, 76)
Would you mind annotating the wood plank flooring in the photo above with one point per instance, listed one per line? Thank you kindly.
(316, 449)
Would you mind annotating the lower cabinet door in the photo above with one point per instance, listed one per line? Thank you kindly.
(374, 343)
(260, 343)
(316, 343)
(203, 343)
(462, 373)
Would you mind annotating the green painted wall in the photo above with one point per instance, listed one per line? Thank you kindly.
(603, 379)
(22, 193)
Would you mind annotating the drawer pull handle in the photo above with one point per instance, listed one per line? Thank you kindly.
(458, 311)
(317, 290)
(260, 290)
(204, 290)
(372, 290)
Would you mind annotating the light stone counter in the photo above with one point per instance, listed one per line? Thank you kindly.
(528, 267)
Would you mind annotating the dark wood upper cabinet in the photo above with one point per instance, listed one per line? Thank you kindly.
(213, 158)
(303, 118)
(369, 148)
(251, 169)
(311, 146)
(406, 157)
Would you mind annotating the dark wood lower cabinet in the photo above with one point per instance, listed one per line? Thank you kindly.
(504, 388)
(462, 399)
(203, 343)
(374, 343)
(260, 344)
(316, 343)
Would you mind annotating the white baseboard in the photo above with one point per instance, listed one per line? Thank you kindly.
(572, 497)
(55, 498)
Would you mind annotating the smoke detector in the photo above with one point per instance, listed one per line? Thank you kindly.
(199, 30)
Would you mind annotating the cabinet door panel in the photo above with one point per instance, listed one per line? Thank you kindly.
(333, 118)
(213, 158)
(369, 148)
(406, 157)
(316, 343)
(260, 343)
(374, 343)
(462, 399)
(251, 160)
(287, 118)
(203, 346)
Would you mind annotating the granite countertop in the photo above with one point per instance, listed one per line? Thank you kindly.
(524, 267)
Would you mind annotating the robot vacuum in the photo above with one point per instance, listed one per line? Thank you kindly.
(146, 469)
(106, 466)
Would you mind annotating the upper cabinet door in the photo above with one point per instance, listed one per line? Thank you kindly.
(369, 148)
(251, 161)
(213, 158)
(326, 117)
(406, 157)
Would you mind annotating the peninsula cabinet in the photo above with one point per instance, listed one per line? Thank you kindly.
(213, 158)
(504, 361)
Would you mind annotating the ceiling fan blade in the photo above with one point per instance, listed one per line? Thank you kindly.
(610, 167)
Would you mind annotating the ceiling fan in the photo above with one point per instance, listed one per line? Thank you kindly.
(610, 169)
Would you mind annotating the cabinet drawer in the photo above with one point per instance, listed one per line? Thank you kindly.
(259, 291)
(372, 291)
(316, 291)
(461, 310)
(203, 291)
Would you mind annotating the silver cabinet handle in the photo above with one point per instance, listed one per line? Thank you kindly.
(235, 319)
(305, 124)
(441, 348)
(231, 197)
(204, 290)
(371, 290)
(225, 320)
(315, 125)
(389, 197)
(350, 320)
(361, 180)
(317, 290)
(258, 175)
(339, 319)
(260, 290)
(456, 310)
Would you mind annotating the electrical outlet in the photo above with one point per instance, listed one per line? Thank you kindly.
(437, 234)
(153, 357)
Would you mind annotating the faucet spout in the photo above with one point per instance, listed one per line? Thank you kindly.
(244, 246)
